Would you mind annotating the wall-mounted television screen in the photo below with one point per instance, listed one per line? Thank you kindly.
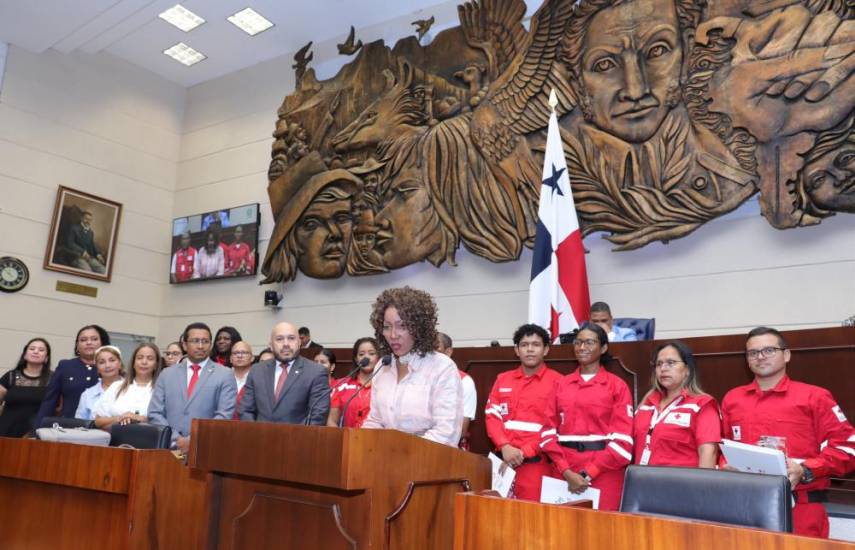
(215, 245)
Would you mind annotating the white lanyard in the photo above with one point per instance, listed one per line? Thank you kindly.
(654, 420)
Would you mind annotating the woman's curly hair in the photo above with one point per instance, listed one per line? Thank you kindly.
(418, 313)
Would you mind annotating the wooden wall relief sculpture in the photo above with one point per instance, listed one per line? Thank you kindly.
(673, 112)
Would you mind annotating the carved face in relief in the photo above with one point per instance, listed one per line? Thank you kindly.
(408, 226)
(323, 234)
(830, 179)
(631, 63)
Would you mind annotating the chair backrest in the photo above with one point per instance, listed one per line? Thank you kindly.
(644, 328)
(141, 436)
(735, 498)
(49, 421)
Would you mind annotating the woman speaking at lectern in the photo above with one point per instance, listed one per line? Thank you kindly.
(415, 389)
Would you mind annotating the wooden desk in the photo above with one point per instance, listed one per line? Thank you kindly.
(483, 522)
(60, 496)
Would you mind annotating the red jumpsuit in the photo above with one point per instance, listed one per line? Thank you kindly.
(182, 263)
(515, 415)
(358, 409)
(237, 253)
(687, 423)
(818, 435)
(596, 413)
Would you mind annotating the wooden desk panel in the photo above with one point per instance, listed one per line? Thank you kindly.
(500, 524)
(59, 495)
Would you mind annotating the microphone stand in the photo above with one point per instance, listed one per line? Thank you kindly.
(363, 363)
(387, 360)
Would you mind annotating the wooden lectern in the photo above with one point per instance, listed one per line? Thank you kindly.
(287, 486)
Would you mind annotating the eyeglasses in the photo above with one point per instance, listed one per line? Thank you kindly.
(590, 343)
(670, 363)
(765, 353)
(199, 341)
(171, 353)
(241, 353)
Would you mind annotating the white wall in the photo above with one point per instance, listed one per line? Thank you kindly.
(101, 126)
(728, 276)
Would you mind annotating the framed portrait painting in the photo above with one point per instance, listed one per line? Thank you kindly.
(83, 234)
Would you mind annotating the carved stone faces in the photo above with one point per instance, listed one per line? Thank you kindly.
(632, 59)
(672, 113)
(830, 178)
(323, 234)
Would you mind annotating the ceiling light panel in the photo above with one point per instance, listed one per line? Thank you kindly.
(250, 21)
(182, 18)
(184, 54)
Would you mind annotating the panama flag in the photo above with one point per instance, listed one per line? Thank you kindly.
(558, 294)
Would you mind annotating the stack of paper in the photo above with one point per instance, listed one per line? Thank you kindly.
(753, 458)
(503, 475)
(555, 491)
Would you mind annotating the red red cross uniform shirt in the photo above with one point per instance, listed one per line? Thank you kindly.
(515, 411)
(818, 435)
(358, 409)
(515, 416)
(599, 410)
(237, 253)
(182, 263)
(687, 423)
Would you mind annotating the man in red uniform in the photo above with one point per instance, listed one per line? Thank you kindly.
(239, 257)
(515, 411)
(182, 261)
(820, 442)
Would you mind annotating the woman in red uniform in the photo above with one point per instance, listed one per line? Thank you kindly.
(677, 424)
(593, 445)
(364, 351)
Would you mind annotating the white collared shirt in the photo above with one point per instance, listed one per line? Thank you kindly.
(427, 402)
(134, 399)
(279, 370)
(203, 364)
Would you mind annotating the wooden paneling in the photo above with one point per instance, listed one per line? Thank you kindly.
(500, 524)
(60, 495)
(383, 484)
(43, 516)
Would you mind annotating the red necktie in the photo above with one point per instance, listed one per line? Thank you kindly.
(193, 379)
(281, 381)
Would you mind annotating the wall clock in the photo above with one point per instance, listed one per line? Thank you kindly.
(14, 274)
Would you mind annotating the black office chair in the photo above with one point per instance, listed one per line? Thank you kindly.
(735, 498)
(49, 421)
(644, 329)
(141, 436)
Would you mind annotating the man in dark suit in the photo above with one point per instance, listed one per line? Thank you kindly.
(81, 242)
(306, 341)
(197, 387)
(288, 388)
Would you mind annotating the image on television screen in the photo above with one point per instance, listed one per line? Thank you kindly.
(215, 245)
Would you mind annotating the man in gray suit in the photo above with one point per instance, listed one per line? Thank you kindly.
(197, 387)
(288, 388)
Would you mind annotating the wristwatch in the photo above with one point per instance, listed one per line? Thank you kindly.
(586, 476)
(807, 476)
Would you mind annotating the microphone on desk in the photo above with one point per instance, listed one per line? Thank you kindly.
(387, 360)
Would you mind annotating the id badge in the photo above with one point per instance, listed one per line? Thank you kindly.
(645, 457)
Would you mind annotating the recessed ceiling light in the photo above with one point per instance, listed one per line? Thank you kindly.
(184, 54)
(250, 21)
(182, 18)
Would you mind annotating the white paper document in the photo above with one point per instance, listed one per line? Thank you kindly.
(554, 491)
(502, 480)
(753, 458)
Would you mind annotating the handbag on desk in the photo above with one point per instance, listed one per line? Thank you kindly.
(82, 436)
